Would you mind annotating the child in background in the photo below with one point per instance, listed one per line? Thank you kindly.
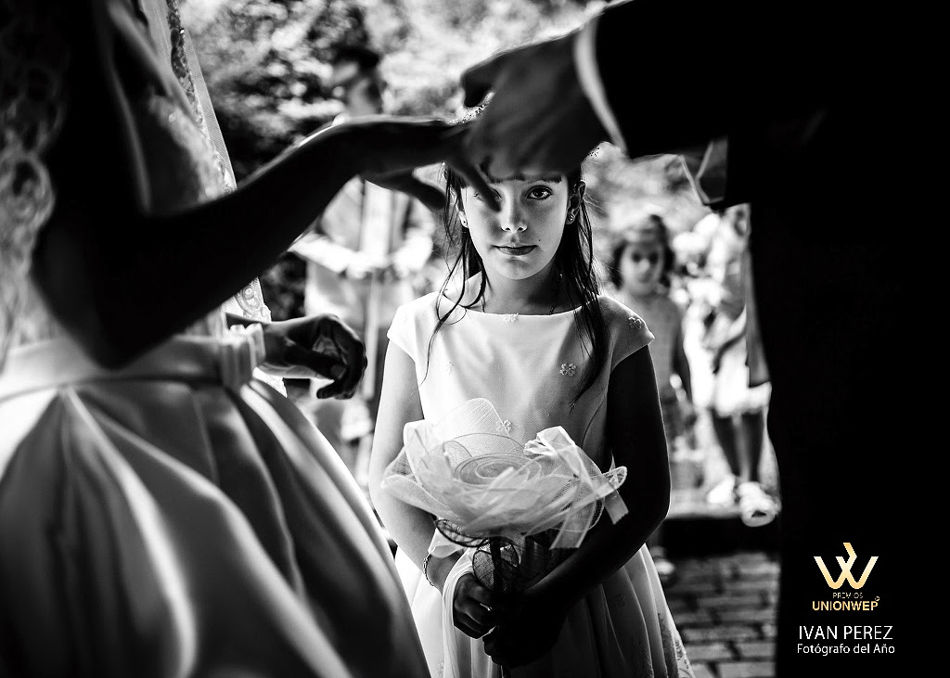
(528, 330)
(640, 271)
(740, 396)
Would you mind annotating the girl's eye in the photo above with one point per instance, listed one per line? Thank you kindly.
(540, 193)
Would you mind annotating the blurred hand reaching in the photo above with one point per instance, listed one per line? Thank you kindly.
(392, 147)
(539, 119)
(406, 182)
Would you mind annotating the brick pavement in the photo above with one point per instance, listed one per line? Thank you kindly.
(724, 595)
(724, 606)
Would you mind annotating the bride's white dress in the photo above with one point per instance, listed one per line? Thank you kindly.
(531, 367)
(173, 517)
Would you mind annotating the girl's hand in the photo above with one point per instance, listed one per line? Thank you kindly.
(472, 607)
(316, 346)
(527, 628)
(387, 149)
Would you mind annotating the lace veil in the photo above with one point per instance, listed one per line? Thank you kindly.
(33, 62)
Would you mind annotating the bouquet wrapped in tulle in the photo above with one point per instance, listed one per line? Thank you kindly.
(521, 506)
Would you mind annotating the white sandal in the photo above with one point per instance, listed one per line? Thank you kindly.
(723, 493)
(756, 507)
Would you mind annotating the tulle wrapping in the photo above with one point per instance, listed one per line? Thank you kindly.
(519, 501)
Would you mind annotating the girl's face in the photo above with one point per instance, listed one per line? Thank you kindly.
(521, 240)
(641, 266)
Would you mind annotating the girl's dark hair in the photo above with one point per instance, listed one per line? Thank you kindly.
(573, 262)
(652, 223)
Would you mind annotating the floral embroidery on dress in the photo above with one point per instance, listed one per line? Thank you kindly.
(504, 426)
(635, 322)
(249, 302)
(568, 369)
(511, 317)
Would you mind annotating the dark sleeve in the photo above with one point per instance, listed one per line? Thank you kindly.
(679, 73)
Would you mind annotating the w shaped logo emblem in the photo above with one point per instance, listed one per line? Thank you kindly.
(846, 569)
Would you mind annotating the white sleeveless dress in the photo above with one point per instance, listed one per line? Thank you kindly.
(530, 367)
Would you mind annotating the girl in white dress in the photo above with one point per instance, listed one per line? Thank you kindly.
(529, 331)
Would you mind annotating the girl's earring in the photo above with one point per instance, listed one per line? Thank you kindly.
(571, 215)
(463, 219)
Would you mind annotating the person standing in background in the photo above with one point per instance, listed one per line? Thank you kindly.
(641, 264)
(362, 256)
(739, 399)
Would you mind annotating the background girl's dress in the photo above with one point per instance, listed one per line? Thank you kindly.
(531, 367)
(733, 391)
(174, 517)
(665, 318)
